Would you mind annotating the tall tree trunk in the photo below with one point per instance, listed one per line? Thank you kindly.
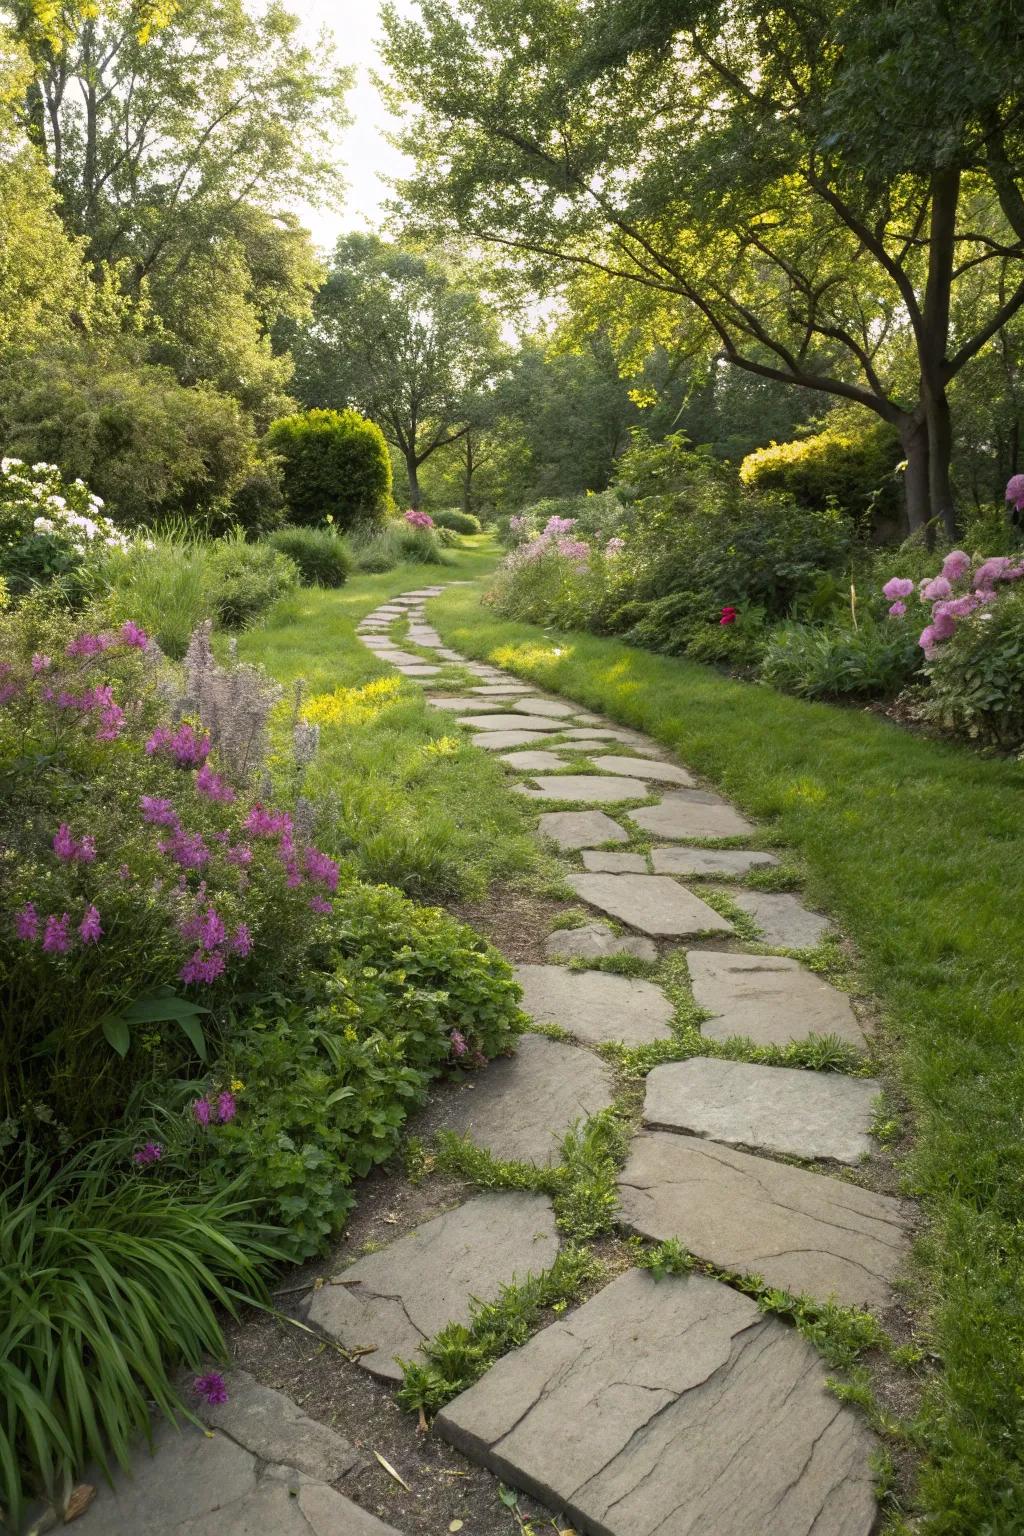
(933, 342)
(468, 467)
(940, 454)
(412, 472)
(916, 480)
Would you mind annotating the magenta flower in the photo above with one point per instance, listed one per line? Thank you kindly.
(41, 662)
(239, 854)
(963, 607)
(899, 586)
(320, 904)
(321, 869)
(158, 811)
(936, 588)
(186, 849)
(8, 691)
(241, 940)
(151, 1152)
(64, 845)
(111, 722)
(419, 519)
(927, 639)
(1015, 491)
(201, 1110)
(458, 1043)
(211, 1387)
(226, 1107)
(89, 645)
(956, 564)
(263, 823)
(26, 923)
(89, 930)
(131, 634)
(989, 572)
(185, 745)
(897, 610)
(56, 939)
(213, 786)
(202, 967)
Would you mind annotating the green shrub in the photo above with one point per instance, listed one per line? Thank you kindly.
(50, 530)
(321, 556)
(246, 580)
(382, 548)
(458, 522)
(164, 584)
(334, 464)
(108, 1281)
(976, 679)
(875, 660)
(852, 462)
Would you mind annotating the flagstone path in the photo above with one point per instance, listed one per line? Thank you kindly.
(656, 1408)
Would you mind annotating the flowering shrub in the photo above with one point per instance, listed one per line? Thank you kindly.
(48, 528)
(417, 519)
(137, 871)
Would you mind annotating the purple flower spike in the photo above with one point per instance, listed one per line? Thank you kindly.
(212, 1388)
(201, 1110)
(26, 923)
(89, 930)
(152, 1152)
(226, 1107)
(458, 1041)
(56, 939)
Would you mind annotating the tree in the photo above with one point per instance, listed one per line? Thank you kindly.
(686, 155)
(405, 339)
(334, 463)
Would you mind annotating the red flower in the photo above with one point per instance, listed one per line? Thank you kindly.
(728, 615)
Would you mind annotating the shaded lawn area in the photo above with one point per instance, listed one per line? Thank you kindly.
(917, 849)
(409, 803)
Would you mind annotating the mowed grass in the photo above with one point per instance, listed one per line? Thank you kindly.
(917, 849)
(408, 801)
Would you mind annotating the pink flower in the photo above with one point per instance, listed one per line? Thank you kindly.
(202, 967)
(89, 930)
(321, 869)
(943, 622)
(56, 940)
(728, 615)
(615, 546)
(936, 588)
(89, 645)
(185, 745)
(899, 586)
(131, 634)
(989, 572)
(239, 854)
(8, 691)
(211, 1386)
(241, 940)
(963, 607)
(1015, 491)
(41, 662)
(897, 610)
(158, 812)
(957, 563)
(26, 923)
(186, 849)
(152, 1152)
(213, 786)
(458, 1043)
(320, 904)
(263, 823)
(418, 519)
(226, 1108)
(201, 1110)
(64, 845)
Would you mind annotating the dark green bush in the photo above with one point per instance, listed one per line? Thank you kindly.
(875, 660)
(334, 463)
(321, 556)
(458, 522)
(852, 462)
(246, 580)
(976, 679)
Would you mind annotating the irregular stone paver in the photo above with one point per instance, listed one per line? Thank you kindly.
(497, 741)
(509, 722)
(596, 787)
(672, 1408)
(665, 773)
(553, 707)
(521, 1106)
(594, 941)
(792, 1113)
(804, 1232)
(602, 861)
(395, 1299)
(595, 1006)
(397, 658)
(768, 999)
(653, 903)
(275, 1429)
(453, 701)
(613, 733)
(532, 762)
(500, 690)
(419, 671)
(581, 829)
(783, 919)
(691, 813)
(708, 861)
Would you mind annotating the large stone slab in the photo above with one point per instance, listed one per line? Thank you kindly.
(653, 903)
(419, 671)
(613, 733)
(791, 1113)
(603, 861)
(500, 690)
(275, 1429)
(576, 741)
(532, 762)
(672, 1408)
(520, 1107)
(581, 829)
(769, 999)
(708, 861)
(393, 1300)
(456, 702)
(691, 813)
(500, 741)
(508, 722)
(553, 707)
(783, 919)
(595, 1006)
(663, 773)
(803, 1232)
(597, 788)
(594, 942)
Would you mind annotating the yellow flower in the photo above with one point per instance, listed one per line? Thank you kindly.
(237, 1086)
(352, 706)
(350, 1034)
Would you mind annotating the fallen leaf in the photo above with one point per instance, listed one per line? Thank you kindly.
(389, 1469)
(456, 1525)
(78, 1503)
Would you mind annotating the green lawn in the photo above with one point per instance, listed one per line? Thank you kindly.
(407, 801)
(917, 849)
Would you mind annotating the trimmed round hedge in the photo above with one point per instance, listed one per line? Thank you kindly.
(319, 553)
(334, 464)
(457, 521)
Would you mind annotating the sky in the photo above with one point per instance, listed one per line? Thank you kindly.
(364, 151)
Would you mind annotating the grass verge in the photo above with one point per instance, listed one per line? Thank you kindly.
(917, 849)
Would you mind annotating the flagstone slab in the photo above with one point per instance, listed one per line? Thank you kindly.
(395, 1299)
(275, 1429)
(581, 829)
(510, 720)
(691, 813)
(532, 762)
(672, 1408)
(783, 919)
(396, 658)
(500, 690)
(419, 671)
(603, 861)
(449, 655)
(498, 741)
(461, 704)
(776, 1109)
(521, 1106)
(591, 733)
(594, 1005)
(709, 861)
(769, 999)
(803, 1232)
(664, 773)
(598, 788)
(594, 942)
(654, 904)
(553, 707)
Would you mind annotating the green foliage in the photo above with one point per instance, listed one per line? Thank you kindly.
(48, 529)
(164, 584)
(875, 660)
(335, 464)
(842, 1334)
(458, 522)
(381, 548)
(851, 462)
(246, 580)
(976, 679)
(108, 1281)
(321, 556)
(667, 1258)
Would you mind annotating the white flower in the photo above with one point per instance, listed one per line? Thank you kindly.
(40, 466)
(43, 525)
(97, 501)
(57, 501)
(6, 464)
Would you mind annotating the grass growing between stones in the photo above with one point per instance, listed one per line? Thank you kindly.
(917, 849)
